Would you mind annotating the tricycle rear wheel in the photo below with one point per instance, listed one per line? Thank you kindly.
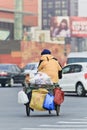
(49, 112)
(57, 110)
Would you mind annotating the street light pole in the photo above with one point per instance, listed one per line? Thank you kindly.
(18, 22)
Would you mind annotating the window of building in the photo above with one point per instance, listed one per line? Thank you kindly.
(76, 5)
(57, 4)
(49, 15)
(44, 13)
(64, 4)
(64, 12)
(50, 4)
(6, 30)
(44, 22)
(57, 12)
(76, 12)
(49, 22)
(44, 4)
(4, 34)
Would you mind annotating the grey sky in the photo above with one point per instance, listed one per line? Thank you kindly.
(83, 8)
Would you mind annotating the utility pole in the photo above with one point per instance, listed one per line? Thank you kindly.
(18, 23)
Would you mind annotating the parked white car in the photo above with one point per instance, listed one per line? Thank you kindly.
(74, 78)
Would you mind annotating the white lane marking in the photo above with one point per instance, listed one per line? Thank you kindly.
(70, 122)
(52, 129)
(80, 119)
(39, 129)
(78, 124)
(65, 126)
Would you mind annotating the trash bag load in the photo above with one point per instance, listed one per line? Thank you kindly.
(41, 78)
(22, 97)
(37, 99)
(49, 102)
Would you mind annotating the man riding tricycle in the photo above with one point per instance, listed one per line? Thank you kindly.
(43, 91)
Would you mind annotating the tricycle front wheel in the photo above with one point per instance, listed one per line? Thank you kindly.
(27, 110)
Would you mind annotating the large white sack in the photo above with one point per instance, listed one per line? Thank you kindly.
(41, 78)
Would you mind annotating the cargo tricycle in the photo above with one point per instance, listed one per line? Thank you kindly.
(28, 90)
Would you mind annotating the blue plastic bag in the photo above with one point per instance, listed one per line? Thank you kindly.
(49, 102)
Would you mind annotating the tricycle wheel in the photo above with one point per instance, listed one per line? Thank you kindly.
(27, 110)
(49, 111)
(57, 110)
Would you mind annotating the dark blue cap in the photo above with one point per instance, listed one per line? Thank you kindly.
(45, 51)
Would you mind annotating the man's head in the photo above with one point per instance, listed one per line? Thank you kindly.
(45, 51)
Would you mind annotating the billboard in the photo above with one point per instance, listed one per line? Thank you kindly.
(60, 28)
(78, 26)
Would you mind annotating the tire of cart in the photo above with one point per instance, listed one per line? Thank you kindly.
(57, 110)
(27, 110)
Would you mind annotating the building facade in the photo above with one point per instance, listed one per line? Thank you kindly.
(11, 21)
(57, 8)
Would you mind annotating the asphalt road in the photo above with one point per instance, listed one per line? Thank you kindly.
(73, 114)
